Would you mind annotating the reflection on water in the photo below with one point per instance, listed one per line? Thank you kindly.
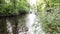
(30, 20)
(20, 25)
(24, 24)
(3, 29)
(9, 27)
(12, 23)
(16, 25)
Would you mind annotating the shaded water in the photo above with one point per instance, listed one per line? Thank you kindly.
(9, 27)
(3, 29)
(16, 25)
(21, 24)
(25, 23)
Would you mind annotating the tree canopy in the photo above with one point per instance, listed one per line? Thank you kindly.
(48, 12)
(13, 6)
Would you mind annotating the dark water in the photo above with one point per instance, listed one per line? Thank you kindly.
(13, 25)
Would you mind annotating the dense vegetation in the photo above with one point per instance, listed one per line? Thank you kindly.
(13, 6)
(49, 13)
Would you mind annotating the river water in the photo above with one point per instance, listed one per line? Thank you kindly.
(33, 21)
(28, 22)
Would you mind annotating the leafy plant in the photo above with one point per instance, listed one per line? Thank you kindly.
(13, 6)
(48, 12)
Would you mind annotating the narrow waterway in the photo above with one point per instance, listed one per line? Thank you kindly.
(29, 22)
(33, 19)
(25, 23)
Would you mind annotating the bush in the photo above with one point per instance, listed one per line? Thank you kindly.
(49, 16)
(13, 7)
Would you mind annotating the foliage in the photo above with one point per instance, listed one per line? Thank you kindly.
(49, 11)
(13, 6)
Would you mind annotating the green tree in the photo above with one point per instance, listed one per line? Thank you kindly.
(13, 6)
(48, 12)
